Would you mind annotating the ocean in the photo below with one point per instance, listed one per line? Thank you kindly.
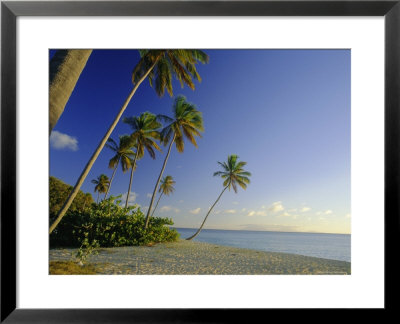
(328, 246)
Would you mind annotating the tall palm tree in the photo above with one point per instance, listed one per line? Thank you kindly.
(166, 188)
(123, 155)
(102, 183)
(66, 67)
(159, 66)
(187, 122)
(233, 175)
(144, 133)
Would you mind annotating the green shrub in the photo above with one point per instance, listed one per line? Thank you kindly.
(110, 225)
(58, 194)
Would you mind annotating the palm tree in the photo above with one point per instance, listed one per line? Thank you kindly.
(166, 188)
(66, 67)
(123, 155)
(144, 133)
(102, 183)
(187, 122)
(233, 175)
(159, 66)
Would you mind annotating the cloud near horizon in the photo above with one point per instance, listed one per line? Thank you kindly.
(276, 207)
(60, 141)
(195, 211)
(169, 208)
(230, 211)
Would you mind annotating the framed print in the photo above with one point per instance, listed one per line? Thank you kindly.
(328, 71)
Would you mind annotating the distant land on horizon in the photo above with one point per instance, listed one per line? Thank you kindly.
(247, 230)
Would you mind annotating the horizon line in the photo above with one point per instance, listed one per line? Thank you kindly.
(222, 229)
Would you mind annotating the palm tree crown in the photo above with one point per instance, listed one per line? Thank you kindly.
(167, 63)
(102, 182)
(123, 155)
(144, 133)
(123, 152)
(167, 185)
(233, 173)
(187, 122)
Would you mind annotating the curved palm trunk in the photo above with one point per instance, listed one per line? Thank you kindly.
(198, 231)
(66, 67)
(156, 205)
(112, 177)
(130, 180)
(158, 182)
(96, 153)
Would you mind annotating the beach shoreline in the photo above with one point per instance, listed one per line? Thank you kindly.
(198, 258)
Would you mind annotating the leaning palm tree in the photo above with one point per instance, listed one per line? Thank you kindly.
(166, 188)
(233, 175)
(187, 122)
(159, 66)
(123, 155)
(102, 182)
(144, 133)
(66, 67)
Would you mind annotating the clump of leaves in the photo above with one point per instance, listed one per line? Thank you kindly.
(86, 249)
(108, 224)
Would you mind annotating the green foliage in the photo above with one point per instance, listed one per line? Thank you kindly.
(107, 224)
(59, 192)
(86, 249)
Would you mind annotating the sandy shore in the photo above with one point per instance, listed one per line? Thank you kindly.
(195, 258)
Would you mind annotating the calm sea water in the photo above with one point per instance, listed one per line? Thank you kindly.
(328, 246)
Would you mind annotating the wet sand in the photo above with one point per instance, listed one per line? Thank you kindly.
(195, 258)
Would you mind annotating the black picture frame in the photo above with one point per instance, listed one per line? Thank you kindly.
(10, 10)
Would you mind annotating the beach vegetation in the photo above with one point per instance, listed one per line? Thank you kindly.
(159, 66)
(233, 175)
(108, 224)
(59, 191)
(187, 122)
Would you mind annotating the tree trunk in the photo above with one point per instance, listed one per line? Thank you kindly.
(96, 153)
(156, 205)
(112, 177)
(158, 181)
(130, 180)
(65, 68)
(98, 195)
(198, 231)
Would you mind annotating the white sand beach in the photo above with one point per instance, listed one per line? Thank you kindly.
(195, 258)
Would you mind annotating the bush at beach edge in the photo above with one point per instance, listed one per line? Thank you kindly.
(111, 226)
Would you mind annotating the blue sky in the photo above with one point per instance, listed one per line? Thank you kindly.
(285, 112)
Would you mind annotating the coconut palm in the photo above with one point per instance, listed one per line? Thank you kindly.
(102, 183)
(159, 66)
(187, 123)
(233, 175)
(65, 68)
(144, 133)
(166, 188)
(123, 155)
